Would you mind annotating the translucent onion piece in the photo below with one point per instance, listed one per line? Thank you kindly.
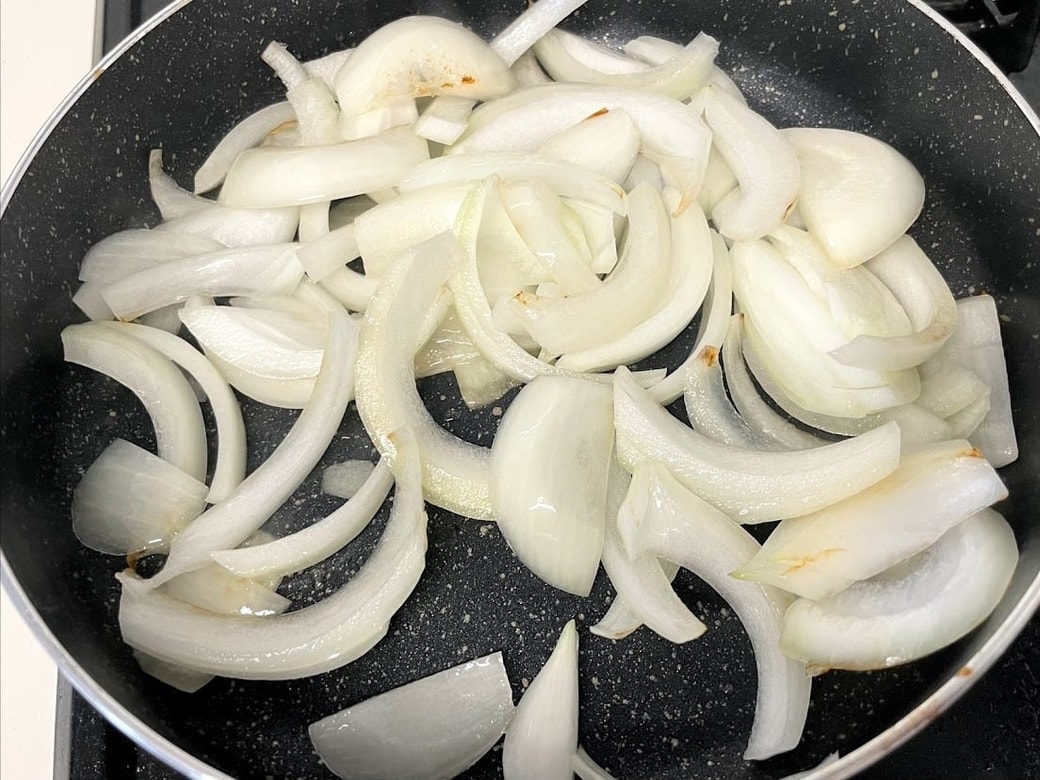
(543, 734)
(231, 521)
(858, 194)
(681, 527)
(130, 501)
(230, 467)
(256, 270)
(480, 383)
(180, 432)
(548, 490)
(248, 133)
(914, 608)
(237, 227)
(351, 289)
(128, 251)
(950, 389)
(430, 729)
(332, 251)
(657, 51)
(178, 677)
(749, 485)
(762, 161)
(316, 542)
(568, 57)
(606, 142)
(217, 590)
(309, 641)
(171, 200)
(587, 769)
(598, 229)
(269, 177)
(344, 479)
(641, 580)
(314, 221)
(935, 487)
(922, 291)
(719, 181)
(455, 472)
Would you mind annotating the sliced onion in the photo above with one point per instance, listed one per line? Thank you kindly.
(128, 251)
(316, 542)
(549, 491)
(180, 432)
(328, 66)
(186, 680)
(914, 608)
(309, 641)
(543, 734)
(217, 590)
(606, 142)
(718, 182)
(234, 227)
(352, 290)
(346, 478)
(858, 194)
(935, 487)
(657, 51)
(681, 527)
(480, 383)
(131, 501)
(429, 729)
(246, 134)
(270, 177)
(229, 522)
(749, 485)
(321, 256)
(168, 196)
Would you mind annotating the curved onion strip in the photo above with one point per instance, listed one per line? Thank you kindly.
(681, 527)
(917, 607)
(641, 581)
(598, 229)
(606, 143)
(230, 467)
(169, 198)
(246, 134)
(321, 256)
(718, 305)
(346, 478)
(587, 769)
(234, 227)
(621, 620)
(129, 501)
(657, 51)
(749, 485)
(762, 161)
(549, 491)
(313, 544)
(229, 522)
(328, 66)
(270, 177)
(309, 641)
(756, 413)
(180, 432)
(219, 591)
(543, 734)
(455, 472)
(718, 182)
(127, 251)
(317, 114)
(351, 289)
(569, 57)
(314, 221)
(177, 677)
(952, 389)
(436, 727)
(934, 488)
(857, 195)
(258, 270)
(583, 320)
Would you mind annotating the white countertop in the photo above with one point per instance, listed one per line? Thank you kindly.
(45, 49)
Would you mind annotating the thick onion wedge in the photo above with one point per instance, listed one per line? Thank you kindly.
(455, 472)
(309, 641)
(230, 522)
(269, 177)
(935, 487)
(606, 143)
(917, 607)
(248, 133)
(549, 491)
(131, 501)
(749, 485)
(858, 194)
(430, 729)
(543, 734)
(180, 432)
(127, 251)
(679, 526)
(313, 544)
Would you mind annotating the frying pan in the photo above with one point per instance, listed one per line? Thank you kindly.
(889, 68)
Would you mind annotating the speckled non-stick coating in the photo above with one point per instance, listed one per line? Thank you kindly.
(649, 709)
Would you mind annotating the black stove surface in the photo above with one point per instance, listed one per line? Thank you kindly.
(991, 733)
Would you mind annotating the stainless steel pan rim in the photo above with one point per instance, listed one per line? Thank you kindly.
(848, 765)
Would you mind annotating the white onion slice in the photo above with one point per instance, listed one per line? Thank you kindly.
(935, 487)
(587, 769)
(230, 467)
(917, 607)
(314, 221)
(246, 134)
(186, 680)
(858, 194)
(548, 490)
(657, 51)
(606, 142)
(351, 289)
(168, 196)
(328, 66)
(127, 251)
(430, 729)
(180, 432)
(683, 528)
(346, 478)
(749, 485)
(455, 472)
(309, 641)
(543, 734)
(131, 501)
(217, 590)
(321, 256)
(270, 177)
(313, 544)
(230, 522)
(480, 383)
(316, 111)
(234, 227)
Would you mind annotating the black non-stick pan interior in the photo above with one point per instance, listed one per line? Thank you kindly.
(649, 709)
